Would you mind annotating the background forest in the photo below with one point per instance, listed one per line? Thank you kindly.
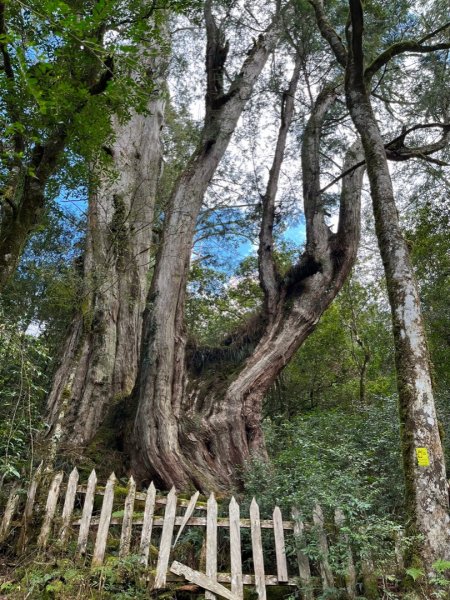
(84, 75)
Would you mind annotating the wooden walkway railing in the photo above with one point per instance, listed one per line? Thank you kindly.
(148, 521)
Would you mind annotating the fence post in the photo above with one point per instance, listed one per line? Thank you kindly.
(211, 543)
(69, 503)
(258, 558)
(28, 510)
(237, 587)
(325, 569)
(350, 575)
(166, 540)
(85, 522)
(148, 523)
(127, 522)
(50, 509)
(302, 560)
(280, 550)
(10, 509)
(105, 519)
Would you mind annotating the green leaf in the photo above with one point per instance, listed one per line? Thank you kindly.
(415, 573)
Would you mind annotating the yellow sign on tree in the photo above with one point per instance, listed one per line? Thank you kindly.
(423, 460)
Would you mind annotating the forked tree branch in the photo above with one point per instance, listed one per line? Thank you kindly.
(268, 275)
(329, 33)
(396, 151)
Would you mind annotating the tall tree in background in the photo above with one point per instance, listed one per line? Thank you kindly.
(60, 87)
(426, 485)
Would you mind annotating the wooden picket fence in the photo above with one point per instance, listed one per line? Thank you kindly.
(72, 515)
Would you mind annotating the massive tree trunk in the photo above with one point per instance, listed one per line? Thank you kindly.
(161, 381)
(99, 361)
(199, 428)
(426, 486)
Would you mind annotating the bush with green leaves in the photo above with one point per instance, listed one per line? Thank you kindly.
(347, 458)
(23, 383)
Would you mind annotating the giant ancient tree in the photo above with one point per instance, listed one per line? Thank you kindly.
(191, 427)
(194, 427)
(426, 485)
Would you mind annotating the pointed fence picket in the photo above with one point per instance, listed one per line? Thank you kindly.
(147, 524)
(85, 522)
(69, 504)
(105, 519)
(235, 549)
(137, 534)
(10, 509)
(166, 540)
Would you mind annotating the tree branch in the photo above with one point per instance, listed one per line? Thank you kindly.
(355, 35)
(216, 55)
(400, 152)
(401, 48)
(314, 214)
(268, 274)
(328, 33)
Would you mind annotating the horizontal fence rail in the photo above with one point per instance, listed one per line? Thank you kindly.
(59, 510)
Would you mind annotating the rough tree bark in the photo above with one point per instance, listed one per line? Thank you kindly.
(426, 486)
(193, 428)
(99, 361)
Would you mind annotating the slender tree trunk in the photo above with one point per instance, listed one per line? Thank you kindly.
(426, 484)
(99, 361)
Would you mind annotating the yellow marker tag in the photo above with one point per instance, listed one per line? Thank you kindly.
(423, 460)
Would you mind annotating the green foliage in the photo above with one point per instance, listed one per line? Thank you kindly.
(123, 578)
(23, 382)
(346, 458)
(348, 360)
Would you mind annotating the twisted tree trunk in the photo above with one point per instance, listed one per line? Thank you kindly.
(199, 428)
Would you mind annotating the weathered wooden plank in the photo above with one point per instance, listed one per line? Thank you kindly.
(202, 580)
(246, 579)
(86, 515)
(211, 543)
(28, 510)
(258, 557)
(280, 550)
(369, 577)
(147, 524)
(103, 526)
(237, 587)
(50, 509)
(125, 537)
(166, 540)
(201, 522)
(325, 570)
(159, 500)
(187, 515)
(69, 503)
(302, 560)
(10, 509)
(350, 570)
